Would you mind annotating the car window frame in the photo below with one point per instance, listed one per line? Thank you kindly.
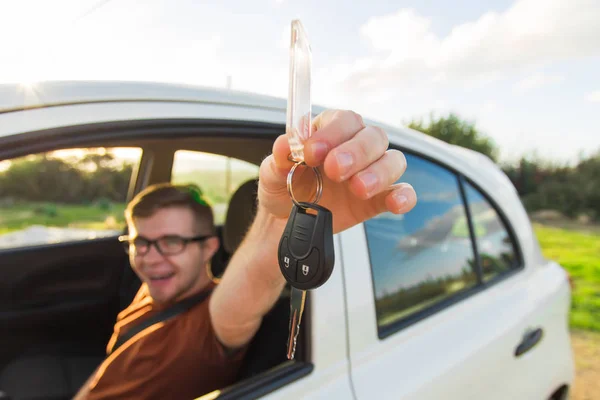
(480, 286)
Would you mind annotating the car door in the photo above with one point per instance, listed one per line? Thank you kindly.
(439, 299)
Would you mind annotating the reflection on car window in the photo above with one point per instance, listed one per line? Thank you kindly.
(425, 256)
(218, 176)
(64, 195)
(496, 249)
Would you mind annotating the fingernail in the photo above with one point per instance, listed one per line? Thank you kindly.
(344, 162)
(319, 150)
(400, 199)
(369, 180)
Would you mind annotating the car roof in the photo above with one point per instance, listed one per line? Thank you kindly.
(19, 97)
(14, 97)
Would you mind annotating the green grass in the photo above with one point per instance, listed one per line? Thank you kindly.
(579, 254)
(21, 216)
(24, 215)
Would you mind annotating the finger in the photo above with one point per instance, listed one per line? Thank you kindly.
(368, 146)
(400, 200)
(281, 151)
(282, 164)
(330, 129)
(272, 187)
(270, 175)
(379, 175)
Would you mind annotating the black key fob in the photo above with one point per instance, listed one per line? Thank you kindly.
(306, 254)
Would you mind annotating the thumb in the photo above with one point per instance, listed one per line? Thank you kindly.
(272, 181)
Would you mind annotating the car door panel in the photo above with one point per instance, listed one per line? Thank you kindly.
(61, 272)
(59, 292)
(548, 363)
(442, 356)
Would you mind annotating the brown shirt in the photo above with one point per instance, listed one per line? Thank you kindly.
(180, 358)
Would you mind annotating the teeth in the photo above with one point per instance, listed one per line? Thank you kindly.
(161, 277)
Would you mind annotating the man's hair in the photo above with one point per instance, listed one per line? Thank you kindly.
(163, 195)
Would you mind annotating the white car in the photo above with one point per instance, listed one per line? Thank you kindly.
(450, 301)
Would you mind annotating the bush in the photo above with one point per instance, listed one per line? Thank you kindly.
(571, 190)
(43, 178)
(47, 210)
(104, 204)
(452, 129)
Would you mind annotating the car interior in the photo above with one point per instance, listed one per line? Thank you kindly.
(59, 301)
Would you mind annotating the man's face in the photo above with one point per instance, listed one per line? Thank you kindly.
(172, 277)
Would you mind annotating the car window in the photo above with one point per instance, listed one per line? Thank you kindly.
(425, 256)
(495, 246)
(218, 176)
(64, 195)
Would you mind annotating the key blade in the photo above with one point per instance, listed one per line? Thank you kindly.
(297, 300)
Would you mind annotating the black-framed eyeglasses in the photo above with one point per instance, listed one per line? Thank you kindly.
(168, 245)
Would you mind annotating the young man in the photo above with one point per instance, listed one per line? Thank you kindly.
(170, 236)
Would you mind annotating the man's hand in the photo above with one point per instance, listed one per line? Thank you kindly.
(358, 184)
(359, 172)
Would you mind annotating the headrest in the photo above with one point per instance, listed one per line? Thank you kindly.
(240, 214)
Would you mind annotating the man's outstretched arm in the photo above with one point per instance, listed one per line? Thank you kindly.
(358, 183)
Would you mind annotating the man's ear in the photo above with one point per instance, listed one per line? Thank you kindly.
(211, 245)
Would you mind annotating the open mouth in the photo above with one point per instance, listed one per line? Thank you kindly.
(161, 278)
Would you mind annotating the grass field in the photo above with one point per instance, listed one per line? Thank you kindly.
(107, 217)
(579, 253)
(93, 216)
(577, 249)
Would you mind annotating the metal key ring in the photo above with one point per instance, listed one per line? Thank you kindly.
(319, 192)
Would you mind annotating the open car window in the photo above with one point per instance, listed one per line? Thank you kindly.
(218, 176)
(64, 195)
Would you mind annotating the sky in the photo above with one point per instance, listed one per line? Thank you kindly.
(526, 72)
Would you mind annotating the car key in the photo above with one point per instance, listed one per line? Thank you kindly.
(297, 300)
(306, 247)
(306, 258)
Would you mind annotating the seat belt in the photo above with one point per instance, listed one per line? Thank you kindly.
(161, 316)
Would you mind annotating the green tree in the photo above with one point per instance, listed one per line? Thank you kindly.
(452, 129)
(96, 177)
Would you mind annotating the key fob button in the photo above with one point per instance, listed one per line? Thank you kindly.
(287, 262)
(300, 238)
(308, 267)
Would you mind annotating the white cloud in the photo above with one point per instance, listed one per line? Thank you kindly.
(593, 97)
(532, 32)
(536, 81)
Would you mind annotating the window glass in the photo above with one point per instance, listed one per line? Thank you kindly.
(64, 195)
(218, 176)
(495, 246)
(425, 256)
